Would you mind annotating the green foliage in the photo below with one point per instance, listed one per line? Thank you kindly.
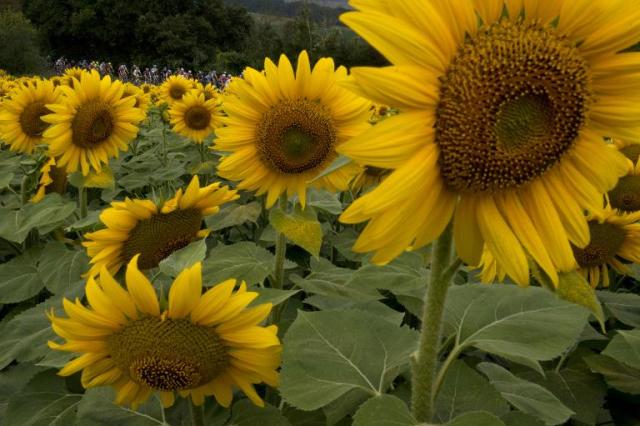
(19, 44)
(166, 32)
(509, 356)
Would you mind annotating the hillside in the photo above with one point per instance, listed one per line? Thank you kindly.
(327, 3)
(326, 11)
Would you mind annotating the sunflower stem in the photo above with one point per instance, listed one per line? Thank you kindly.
(426, 362)
(197, 414)
(278, 270)
(164, 144)
(82, 201)
(201, 149)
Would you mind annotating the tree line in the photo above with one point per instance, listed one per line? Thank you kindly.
(195, 34)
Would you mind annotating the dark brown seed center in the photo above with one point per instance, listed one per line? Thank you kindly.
(92, 125)
(159, 236)
(606, 240)
(511, 104)
(296, 136)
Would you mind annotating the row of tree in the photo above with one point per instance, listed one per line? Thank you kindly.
(196, 34)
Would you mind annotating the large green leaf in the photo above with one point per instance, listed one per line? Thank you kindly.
(384, 410)
(625, 307)
(524, 325)
(405, 274)
(324, 200)
(476, 418)
(329, 280)
(616, 374)
(244, 413)
(19, 278)
(24, 337)
(177, 261)
(44, 401)
(60, 268)
(12, 380)
(44, 216)
(580, 391)
(327, 354)
(526, 396)
(625, 348)
(233, 215)
(300, 226)
(243, 261)
(464, 389)
(97, 408)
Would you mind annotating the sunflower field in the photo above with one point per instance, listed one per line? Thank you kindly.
(451, 239)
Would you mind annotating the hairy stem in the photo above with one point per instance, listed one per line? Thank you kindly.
(425, 365)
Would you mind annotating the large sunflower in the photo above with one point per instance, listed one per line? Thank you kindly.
(283, 129)
(174, 88)
(21, 124)
(142, 227)
(91, 123)
(503, 108)
(614, 237)
(194, 116)
(201, 345)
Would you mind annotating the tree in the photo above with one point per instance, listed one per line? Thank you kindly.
(177, 32)
(19, 49)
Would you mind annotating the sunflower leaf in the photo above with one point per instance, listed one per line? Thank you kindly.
(177, 261)
(574, 288)
(97, 407)
(327, 354)
(19, 278)
(476, 418)
(61, 268)
(513, 322)
(45, 400)
(528, 397)
(617, 375)
(625, 348)
(301, 227)
(384, 410)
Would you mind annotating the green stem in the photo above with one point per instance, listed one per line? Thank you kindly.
(424, 367)
(201, 149)
(281, 249)
(24, 189)
(278, 269)
(82, 201)
(197, 414)
(164, 144)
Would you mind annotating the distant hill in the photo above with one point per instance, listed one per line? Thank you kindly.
(327, 3)
(326, 11)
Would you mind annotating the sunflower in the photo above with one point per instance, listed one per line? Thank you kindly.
(625, 196)
(201, 345)
(501, 124)
(52, 179)
(142, 98)
(369, 177)
(73, 73)
(615, 237)
(283, 130)
(91, 123)
(209, 91)
(21, 123)
(490, 270)
(194, 116)
(174, 88)
(143, 227)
